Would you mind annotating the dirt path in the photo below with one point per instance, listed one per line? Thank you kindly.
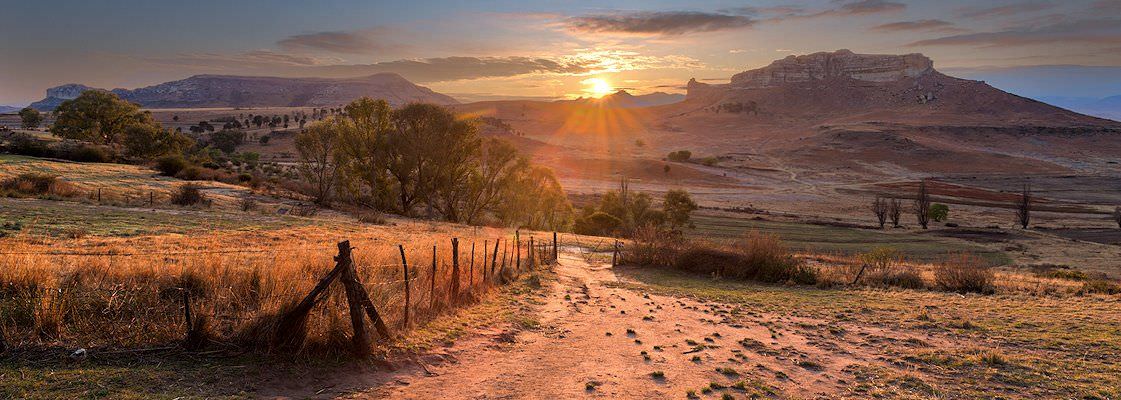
(592, 341)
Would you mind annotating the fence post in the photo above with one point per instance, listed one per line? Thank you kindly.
(355, 290)
(98, 195)
(503, 269)
(529, 253)
(455, 268)
(494, 258)
(615, 254)
(151, 198)
(518, 252)
(484, 261)
(405, 265)
(432, 290)
(187, 311)
(555, 246)
(360, 340)
(471, 269)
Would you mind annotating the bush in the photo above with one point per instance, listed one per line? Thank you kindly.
(171, 165)
(188, 195)
(88, 153)
(598, 223)
(757, 257)
(653, 247)
(680, 156)
(27, 145)
(964, 273)
(35, 184)
(905, 278)
(1100, 286)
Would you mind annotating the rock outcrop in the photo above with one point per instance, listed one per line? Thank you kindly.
(250, 91)
(837, 64)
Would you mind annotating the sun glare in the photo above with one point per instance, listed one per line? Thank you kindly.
(598, 87)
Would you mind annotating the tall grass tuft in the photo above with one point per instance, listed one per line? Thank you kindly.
(964, 273)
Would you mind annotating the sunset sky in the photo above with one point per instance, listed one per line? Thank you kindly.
(526, 49)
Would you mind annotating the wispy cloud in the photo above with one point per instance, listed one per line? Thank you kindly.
(658, 23)
(1098, 31)
(868, 7)
(1004, 11)
(917, 25)
(345, 42)
(255, 58)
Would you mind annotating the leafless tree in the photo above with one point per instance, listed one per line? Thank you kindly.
(1117, 215)
(895, 211)
(879, 207)
(1023, 208)
(922, 205)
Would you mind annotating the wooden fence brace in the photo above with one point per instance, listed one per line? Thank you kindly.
(554, 245)
(361, 340)
(405, 265)
(297, 316)
(432, 290)
(859, 274)
(357, 291)
(455, 268)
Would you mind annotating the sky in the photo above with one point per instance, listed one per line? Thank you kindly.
(482, 50)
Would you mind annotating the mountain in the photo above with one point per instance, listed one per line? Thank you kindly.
(1109, 107)
(623, 99)
(9, 109)
(202, 91)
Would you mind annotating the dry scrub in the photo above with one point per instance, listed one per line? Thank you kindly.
(129, 292)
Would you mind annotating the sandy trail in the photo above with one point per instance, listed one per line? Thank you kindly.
(585, 341)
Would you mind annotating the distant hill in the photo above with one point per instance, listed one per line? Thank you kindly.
(9, 109)
(623, 99)
(202, 91)
(1109, 107)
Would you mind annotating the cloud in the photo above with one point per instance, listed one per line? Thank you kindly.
(868, 7)
(666, 23)
(1003, 11)
(917, 25)
(333, 41)
(1100, 31)
(460, 68)
(255, 58)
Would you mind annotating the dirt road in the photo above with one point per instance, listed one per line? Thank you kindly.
(602, 341)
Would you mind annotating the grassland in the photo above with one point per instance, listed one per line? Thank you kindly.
(838, 240)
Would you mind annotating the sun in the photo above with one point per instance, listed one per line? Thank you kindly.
(598, 87)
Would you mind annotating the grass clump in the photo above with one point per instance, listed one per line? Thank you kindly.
(964, 273)
(36, 185)
(756, 256)
(188, 195)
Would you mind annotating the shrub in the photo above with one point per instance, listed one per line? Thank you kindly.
(899, 277)
(1100, 286)
(652, 247)
(371, 218)
(756, 257)
(247, 203)
(188, 195)
(964, 273)
(680, 156)
(172, 164)
(88, 153)
(27, 145)
(35, 184)
(597, 224)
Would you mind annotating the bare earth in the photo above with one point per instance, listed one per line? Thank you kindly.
(584, 349)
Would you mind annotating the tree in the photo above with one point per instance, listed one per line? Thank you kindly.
(227, 140)
(895, 211)
(939, 212)
(1023, 207)
(146, 142)
(98, 116)
(175, 118)
(362, 154)
(922, 205)
(316, 148)
(880, 208)
(30, 118)
(677, 206)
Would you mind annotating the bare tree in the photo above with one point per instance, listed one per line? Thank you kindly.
(879, 207)
(895, 211)
(922, 205)
(1117, 215)
(1023, 208)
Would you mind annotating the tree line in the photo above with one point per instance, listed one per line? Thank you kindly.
(423, 160)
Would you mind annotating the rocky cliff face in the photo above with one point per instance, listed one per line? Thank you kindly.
(838, 64)
(250, 91)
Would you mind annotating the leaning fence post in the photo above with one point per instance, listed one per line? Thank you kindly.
(356, 295)
(405, 265)
(297, 316)
(455, 268)
(360, 340)
(432, 290)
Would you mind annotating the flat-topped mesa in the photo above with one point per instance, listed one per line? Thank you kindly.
(838, 64)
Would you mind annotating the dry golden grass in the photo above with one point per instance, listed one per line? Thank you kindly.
(128, 292)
